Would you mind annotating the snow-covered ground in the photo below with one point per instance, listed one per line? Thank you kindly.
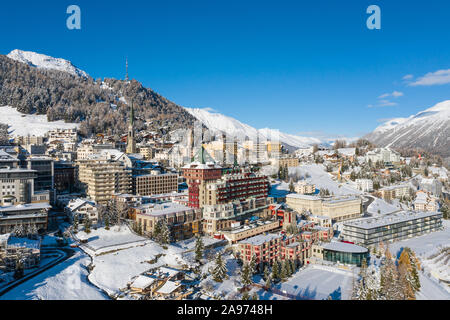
(317, 282)
(102, 238)
(65, 281)
(30, 124)
(322, 179)
(381, 207)
(435, 263)
(42, 61)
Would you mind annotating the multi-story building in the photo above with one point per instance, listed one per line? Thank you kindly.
(24, 214)
(251, 229)
(183, 222)
(64, 176)
(274, 247)
(26, 140)
(44, 167)
(391, 227)
(83, 209)
(17, 187)
(7, 160)
(288, 161)
(433, 186)
(221, 217)
(383, 154)
(395, 192)
(66, 135)
(338, 208)
(425, 202)
(155, 183)
(103, 178)
(365, 185)
(147, 152)
(303, 187)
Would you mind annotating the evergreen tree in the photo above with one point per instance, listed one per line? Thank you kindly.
(107, 223)
(165, 233)
(253, 265)
(291, 186)
(199, 249)
(75, 224)
(19, 269)
(275, 271)
(245, 295)
(219, 272)
(246, 275)
(87, 225)
(283, 272)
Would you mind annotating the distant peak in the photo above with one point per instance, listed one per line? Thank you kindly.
(42, 61)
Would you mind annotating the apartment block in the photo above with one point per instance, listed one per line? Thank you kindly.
(391, 227)
(338, 208)
(103, 178)
(183, 222)
(155, 183)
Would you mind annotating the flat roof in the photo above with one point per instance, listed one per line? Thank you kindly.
(344, 247)
(25, 207)
(260, 239)
(389, 219)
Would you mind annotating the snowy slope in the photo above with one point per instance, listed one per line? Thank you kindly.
(42, 61)
(30, 124)
(428, 130)
(219, 122)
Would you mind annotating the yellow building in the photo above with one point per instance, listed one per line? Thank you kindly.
(338, 208)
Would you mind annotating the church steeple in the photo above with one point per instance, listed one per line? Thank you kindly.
(131, 141)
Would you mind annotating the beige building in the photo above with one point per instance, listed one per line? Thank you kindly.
(250, 230)
(289, 162)
(67, 135)
(338, 208)
(147, 152)
(425, 202)
(303, 187)
(103, 178)
(395, 192)
(223, 216)
(155, 183)
(183, 222)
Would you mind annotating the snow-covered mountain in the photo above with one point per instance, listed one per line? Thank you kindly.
(428, 130)
(219, 122)
(42, 61)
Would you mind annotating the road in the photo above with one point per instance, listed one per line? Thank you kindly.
(67, 253)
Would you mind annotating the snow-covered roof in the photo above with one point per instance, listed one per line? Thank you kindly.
(344, 247)
(302, 196)
(23, 243)
(260, 239)
(169, 287)
(163, 208)
(389, 219)
(143, 282)
(25, 207)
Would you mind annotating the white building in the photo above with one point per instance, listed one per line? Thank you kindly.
(84, 208)
(365, 185)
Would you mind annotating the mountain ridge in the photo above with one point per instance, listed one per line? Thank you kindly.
(428, 130)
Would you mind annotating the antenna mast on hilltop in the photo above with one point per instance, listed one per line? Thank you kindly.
(126, 67)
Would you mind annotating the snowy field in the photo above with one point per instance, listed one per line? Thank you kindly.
(66, 281)
(114, 270)
(381, 207)
(102, 238)
(317, 283)
(23, 125)
(323, 180)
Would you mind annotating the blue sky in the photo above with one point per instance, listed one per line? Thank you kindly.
(298, 66)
